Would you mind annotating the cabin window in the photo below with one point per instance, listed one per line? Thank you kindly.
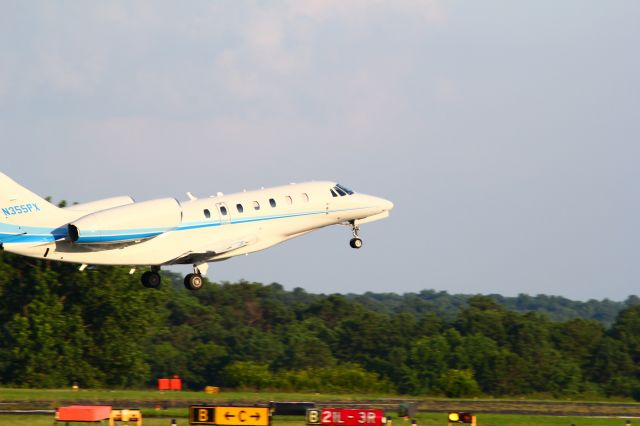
(340, 191)
(333, 192)
(256, 205)
(239, 208)
(207, 213)
(288, 200)
(272, 202)
(223, 210)
(305, 197)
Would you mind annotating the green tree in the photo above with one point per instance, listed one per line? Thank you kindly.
(626, 329)
(43, 345)
(429, 359)
(247, 375)
(304, 349)
(458, 383)
(483, 316)
(610, 360)
(578, 339)
(484, 357)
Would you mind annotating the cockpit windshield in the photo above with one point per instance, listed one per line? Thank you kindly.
(340, 190)
(345, 189)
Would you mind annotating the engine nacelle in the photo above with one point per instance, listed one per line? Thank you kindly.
(107, 203)
(133, 222)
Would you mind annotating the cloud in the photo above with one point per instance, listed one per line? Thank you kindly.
(65, 73)
(429, 11)
(160, 58)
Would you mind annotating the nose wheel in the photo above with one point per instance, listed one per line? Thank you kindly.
(193, 282)
(355, 242)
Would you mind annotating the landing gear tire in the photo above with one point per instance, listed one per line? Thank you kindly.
(355, 243)
(151, 279)
(193, 282)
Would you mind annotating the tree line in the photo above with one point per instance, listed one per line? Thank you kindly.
(447, 305)
(101, 328)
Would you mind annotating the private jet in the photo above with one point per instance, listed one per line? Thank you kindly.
(165, 231)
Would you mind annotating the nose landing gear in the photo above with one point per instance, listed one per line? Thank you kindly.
(355, 242)
(194, 281)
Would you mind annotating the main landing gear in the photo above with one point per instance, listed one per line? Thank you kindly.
(194, 281)
(355, 242)
(151, 279)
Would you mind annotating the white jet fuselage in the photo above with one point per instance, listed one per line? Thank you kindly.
(165, 231)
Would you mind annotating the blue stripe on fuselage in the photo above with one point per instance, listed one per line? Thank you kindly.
(25, 238)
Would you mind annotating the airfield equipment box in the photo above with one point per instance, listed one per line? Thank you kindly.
(172, 384)
(83, 413)
(407, 409)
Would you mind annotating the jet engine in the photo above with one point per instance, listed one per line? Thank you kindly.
(128, 223)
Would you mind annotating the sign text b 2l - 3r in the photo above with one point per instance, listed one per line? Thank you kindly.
(346, 417)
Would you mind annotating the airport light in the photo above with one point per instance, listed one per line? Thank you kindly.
(456, 417)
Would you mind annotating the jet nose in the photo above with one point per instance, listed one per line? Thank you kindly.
(386, 204)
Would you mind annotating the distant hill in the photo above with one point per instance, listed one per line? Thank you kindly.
(443, 304)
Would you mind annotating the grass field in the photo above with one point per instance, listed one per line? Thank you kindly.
(431, 419)
(11, 394)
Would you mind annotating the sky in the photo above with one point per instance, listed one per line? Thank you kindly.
(507, 134)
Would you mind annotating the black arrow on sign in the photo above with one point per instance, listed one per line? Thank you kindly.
(228, 415)
(256, 416)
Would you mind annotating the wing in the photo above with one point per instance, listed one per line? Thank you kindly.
(208, 252)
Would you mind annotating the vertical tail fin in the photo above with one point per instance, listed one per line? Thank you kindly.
(21, 208)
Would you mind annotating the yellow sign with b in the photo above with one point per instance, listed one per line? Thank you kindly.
(242, 416)
(201, 415)
(229, 415)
